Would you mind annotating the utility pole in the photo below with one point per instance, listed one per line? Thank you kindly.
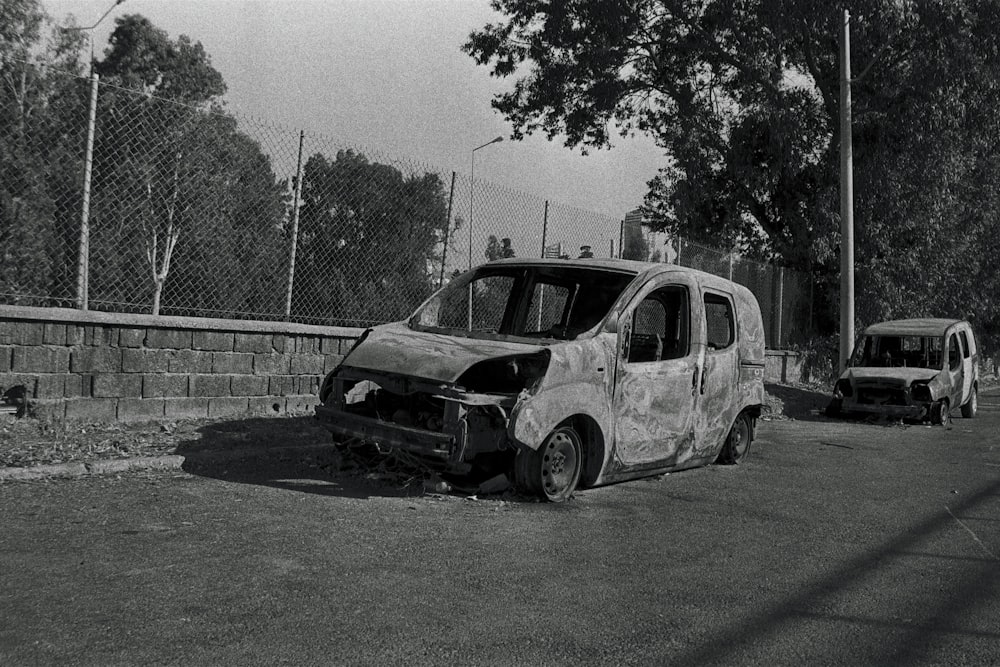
(846, 198)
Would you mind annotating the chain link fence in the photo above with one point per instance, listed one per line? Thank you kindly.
(157, 207)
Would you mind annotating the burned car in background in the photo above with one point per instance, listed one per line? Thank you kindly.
(560, 372)
(914, 369)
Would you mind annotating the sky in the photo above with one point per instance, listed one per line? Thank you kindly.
(385, 74)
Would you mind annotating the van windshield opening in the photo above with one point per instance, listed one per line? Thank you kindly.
(543, 302)
(899, 351)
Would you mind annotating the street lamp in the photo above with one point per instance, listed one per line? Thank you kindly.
(83, 255)
(472, 190)
(90, 29)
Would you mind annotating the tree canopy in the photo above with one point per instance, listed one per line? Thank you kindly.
(743, 96)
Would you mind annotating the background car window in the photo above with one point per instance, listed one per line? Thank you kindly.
(965, 344)
(719, 322)
(660, 326)
(954, 355)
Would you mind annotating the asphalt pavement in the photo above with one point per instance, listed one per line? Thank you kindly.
(837, 542)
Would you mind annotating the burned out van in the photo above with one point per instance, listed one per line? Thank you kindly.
(919, 369)
(560, 372)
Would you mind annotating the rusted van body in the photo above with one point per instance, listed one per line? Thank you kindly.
(564, 372)
(916, 369)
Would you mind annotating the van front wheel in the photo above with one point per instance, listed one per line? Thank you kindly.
(553, 470)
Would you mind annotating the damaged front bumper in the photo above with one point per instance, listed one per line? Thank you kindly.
(917, 411)
(438, 422)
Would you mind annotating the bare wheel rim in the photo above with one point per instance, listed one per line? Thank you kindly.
(739, 439)
(560, 462)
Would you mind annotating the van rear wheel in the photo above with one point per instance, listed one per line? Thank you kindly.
(738, 441)
(553, 470)
(972, 405)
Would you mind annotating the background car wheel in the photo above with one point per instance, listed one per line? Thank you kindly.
(971, 405)
(940, 412)
(553, 470)
(834, 408)
(738, 441)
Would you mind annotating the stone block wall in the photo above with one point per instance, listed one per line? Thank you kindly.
(103, 367)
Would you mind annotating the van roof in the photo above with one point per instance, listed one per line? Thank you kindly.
(921, 326)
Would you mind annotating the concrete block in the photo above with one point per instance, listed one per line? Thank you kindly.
(281, 343)
(161, 385)
(254, 342)
(54, 334)
(40, 360)
(176, 339)
(53, 385)
(100, 336)
(266, 405)
(21, 333)
(74, 335)
(208, 385)
(248, 385)
(281, 385)
(78, 386)
(140, 409)
(308, 364)
(232, 362)
(331, 361)
(190, 361)
(117, 385)
(146, 361)
(185, 408)
(272, 364)
(29, 382)
(346, 344)
(228, 406)
(131, 337)
(47, 410)
(329, 346)
(307, 345)
(92, 409)
(297, 405)
(307, 384)
(96, 360)
(212, 340)
(6, 355)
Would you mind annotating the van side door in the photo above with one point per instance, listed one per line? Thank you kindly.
(717, 403)
(968, 372)
(656, 375)
(953, 370)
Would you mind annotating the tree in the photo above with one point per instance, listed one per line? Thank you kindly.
(178, 188)
(40, 155)
(368, 238)
(151, 140)
(743, 97)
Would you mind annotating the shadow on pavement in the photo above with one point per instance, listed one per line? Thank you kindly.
(297, 454)
(906, 641)
(293, 453)
(799, 403)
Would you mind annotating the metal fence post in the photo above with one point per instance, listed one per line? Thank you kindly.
(777, 289)
(447, 228)
(83, 255)
(545, 226)
(295, 229)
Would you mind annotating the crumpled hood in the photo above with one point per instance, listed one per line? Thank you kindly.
(890, 376)
(396, 348)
